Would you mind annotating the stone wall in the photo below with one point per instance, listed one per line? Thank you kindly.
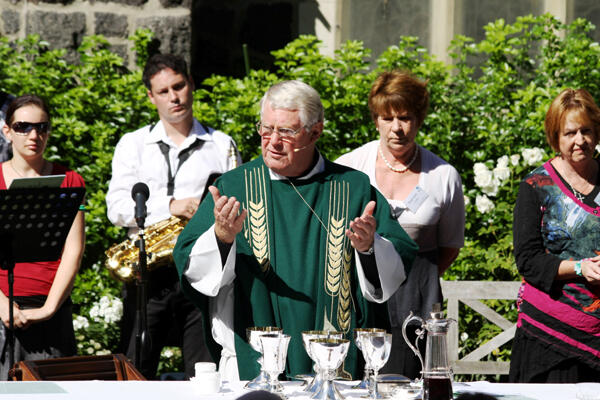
(63, 23)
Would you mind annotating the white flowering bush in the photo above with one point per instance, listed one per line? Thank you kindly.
(107, 310)
(490, 180)
(171, 359)
(97, 312)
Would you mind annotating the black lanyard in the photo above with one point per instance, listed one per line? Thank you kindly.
(183, 156)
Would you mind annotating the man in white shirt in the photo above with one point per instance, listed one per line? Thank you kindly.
(178, 158)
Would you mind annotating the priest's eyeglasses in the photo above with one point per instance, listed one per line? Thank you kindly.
(285, 133)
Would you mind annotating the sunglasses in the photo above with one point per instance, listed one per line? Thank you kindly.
(23, 128)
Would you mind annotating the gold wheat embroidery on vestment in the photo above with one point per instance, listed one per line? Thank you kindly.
(337, 275)
(344, 299)
(256, 228)
(345, 295)
(335, 244)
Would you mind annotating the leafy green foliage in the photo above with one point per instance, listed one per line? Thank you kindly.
(92, 103)
(489, 104)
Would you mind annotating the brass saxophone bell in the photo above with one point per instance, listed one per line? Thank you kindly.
(122, 258)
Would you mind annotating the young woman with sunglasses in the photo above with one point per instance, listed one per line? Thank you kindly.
(42, 314)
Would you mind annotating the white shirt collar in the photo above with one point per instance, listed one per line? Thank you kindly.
(158, 134)
(318, 168)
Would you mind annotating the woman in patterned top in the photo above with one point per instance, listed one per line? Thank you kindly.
(557, 241)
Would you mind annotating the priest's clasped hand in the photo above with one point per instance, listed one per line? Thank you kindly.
(229, 221)
(362, 229)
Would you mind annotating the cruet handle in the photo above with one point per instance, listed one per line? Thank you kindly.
(420, 335)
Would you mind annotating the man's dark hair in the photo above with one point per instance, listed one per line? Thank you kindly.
(158, 62)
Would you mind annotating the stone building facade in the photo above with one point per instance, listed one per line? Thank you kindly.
(212, 34)
(63, 23)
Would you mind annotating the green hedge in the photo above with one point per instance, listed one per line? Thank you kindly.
(487, 121)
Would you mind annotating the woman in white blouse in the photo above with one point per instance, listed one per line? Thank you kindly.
(425, 196)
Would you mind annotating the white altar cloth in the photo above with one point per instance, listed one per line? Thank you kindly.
(187, 390)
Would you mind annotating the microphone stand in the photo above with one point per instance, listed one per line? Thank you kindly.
(142, 339)
(7, 262)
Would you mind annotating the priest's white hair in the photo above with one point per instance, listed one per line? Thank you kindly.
(295, 95)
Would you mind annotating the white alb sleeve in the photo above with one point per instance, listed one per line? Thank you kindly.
(204, 271)
(389, 267)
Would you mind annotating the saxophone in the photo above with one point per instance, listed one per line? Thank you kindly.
(122, 258)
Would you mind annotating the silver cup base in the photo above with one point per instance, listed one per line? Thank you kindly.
(328, 392)
(261, 382)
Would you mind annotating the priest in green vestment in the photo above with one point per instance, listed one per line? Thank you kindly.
(292, 240)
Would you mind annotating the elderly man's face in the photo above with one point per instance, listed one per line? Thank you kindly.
(288, 156)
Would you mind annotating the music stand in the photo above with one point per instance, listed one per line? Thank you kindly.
(34, 224)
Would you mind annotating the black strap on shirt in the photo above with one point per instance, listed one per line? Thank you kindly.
(183, 156)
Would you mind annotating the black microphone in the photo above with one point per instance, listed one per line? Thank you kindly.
(140, 194)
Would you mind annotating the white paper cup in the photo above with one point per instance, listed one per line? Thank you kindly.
(207, 382)
(201, 367)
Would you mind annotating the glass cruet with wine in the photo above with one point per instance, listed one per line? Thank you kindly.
(436, 371)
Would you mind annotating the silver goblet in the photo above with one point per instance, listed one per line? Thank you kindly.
(376, 347)
(329, 354)
(274, 347)
(358, 332)
(253, 335)
(316, 383)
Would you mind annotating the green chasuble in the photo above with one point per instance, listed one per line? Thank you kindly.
(294, 265)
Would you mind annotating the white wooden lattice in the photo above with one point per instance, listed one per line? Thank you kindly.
(470, 293)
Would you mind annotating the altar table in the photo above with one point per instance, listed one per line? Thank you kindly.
(187, 390)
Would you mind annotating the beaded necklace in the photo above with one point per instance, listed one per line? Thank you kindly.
(400, 170)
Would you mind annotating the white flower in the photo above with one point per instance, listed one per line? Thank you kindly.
(502, 162)
(103, 352)
(467, 200)
(464, 336)
(90, 350)
(514, 159)
(95, 312)
(168, 353)
(479, 168)
(80, 322)
(502, 172)
(483, 176)
(483, 204)
(492, 189)
(598, 148)
(107, 309)
(532, 156)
